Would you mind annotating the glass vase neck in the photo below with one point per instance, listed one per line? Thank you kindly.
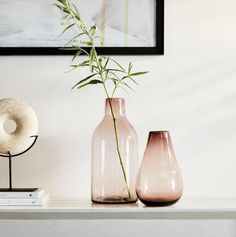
(158, 141)
(156, 136)
(118, 106)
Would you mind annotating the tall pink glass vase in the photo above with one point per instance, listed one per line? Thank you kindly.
(159, 181)
(114, 156)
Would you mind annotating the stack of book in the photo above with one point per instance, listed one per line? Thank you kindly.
(22, 197)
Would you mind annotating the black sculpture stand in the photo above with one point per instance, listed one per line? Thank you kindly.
(10, 156)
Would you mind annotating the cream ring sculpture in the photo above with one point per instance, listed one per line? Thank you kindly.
(26, 126)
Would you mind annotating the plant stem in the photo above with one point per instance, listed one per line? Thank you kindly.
(118, 146)
(117, 141)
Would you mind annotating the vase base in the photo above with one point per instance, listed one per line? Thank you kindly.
(156, 203)
(114, 200)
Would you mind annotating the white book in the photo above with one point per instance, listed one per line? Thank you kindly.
(39, 193)
(24, 201)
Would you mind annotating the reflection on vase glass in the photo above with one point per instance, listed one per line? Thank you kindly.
(113, 182)
(159, 181)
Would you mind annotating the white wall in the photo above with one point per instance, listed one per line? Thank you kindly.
(191, 91)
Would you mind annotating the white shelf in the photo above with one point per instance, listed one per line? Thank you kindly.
(197, 208)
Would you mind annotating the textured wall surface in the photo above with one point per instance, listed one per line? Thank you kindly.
(191, 91)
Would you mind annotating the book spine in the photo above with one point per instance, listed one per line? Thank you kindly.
(23, 202)
(22, 194)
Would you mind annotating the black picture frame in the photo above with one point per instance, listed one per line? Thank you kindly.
(158, 49)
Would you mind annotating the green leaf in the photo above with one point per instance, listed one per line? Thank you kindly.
(84, 63)
(115, 70)
(80, 51)
(77, 15)
(88, 43)
(130, 67)
(114, 75)
(65, 19)
(62, 2)
(92, 56)
(105, 65)
(65, 10)
(129, 77)
(83, 80)
(92, 30)
(68, 27)
(137, 73)
(62, 8)
(118, 65)
(74, 38)
(74, 49)
(115, 81)
(133, 81)
(124, 83)
(125, 77)
(69, 48)
(92, 82)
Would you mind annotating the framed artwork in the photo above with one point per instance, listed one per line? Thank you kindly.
(30, 27)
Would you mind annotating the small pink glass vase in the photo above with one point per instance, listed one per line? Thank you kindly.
(112, 182)
(159, 181)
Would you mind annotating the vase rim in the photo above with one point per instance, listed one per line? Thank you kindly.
(159, 132)
(158, 135)
(116, 98)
